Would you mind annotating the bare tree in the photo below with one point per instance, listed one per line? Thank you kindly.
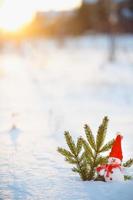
(113, 22)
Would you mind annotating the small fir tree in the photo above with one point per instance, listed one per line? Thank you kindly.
(86, 159)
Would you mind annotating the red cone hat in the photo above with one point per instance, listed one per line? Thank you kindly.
(116, 150)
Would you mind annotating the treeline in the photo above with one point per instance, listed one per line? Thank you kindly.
(101, 16)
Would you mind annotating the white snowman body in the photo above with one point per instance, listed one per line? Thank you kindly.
(116, 173)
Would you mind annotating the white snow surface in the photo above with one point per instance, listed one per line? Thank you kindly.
(46, 89)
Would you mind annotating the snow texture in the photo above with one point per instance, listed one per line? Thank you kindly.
(48, 87)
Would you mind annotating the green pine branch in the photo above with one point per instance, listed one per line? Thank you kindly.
(74, 155)
(90, 136)
(65, 152)
(87, 148)
(107, 146)
(127, 177)
(70, 143)
(93, 149)
(128, 163)
(101, 133)
(101, 160)
(79, 145)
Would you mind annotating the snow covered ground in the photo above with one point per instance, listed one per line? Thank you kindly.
(45, 89)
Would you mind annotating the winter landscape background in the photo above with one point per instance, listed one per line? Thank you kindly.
(51, 84)
(45, 90)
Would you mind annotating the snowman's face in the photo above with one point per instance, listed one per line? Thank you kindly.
(113, 160)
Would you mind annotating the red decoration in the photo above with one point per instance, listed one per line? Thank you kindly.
(116, 151)
(108, 168)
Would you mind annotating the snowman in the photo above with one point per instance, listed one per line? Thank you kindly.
(113, 170)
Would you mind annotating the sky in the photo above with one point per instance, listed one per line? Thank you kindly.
(42, 4)
(16, 13)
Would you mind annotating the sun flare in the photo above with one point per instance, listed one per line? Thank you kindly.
(14, 14)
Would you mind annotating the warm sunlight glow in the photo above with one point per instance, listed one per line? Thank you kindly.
(14, 14)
